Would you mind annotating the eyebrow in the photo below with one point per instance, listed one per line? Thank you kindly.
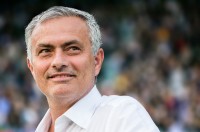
(45, 45)
(63, 45)
(70, 43)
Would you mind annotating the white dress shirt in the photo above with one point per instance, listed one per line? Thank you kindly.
(96, 113)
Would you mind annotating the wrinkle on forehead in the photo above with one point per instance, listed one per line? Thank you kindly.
(77, 25)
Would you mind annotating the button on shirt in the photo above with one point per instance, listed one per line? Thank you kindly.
(96, 113)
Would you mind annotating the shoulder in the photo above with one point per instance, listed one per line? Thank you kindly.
(117, 101)
(128, 113)
(123, 107)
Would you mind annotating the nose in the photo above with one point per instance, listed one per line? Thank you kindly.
(59, 62)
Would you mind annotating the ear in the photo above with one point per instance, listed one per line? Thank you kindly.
(29, 64)
(98, 61)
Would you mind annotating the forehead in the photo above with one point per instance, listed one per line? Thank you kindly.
(76, 23)
(61, 26)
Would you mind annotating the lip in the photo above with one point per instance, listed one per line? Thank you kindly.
(61, 77)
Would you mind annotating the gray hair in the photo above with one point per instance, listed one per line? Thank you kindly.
(60, 11)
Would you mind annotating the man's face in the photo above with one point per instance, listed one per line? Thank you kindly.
(62, 63)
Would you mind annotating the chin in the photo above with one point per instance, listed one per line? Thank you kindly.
(61, 90)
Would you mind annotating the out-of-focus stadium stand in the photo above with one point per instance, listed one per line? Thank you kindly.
(152, 52)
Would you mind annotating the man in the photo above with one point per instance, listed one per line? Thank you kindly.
(64, 57)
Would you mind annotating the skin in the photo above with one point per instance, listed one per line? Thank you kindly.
(62, 62)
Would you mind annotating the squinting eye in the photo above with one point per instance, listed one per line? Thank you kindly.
(44, 51)
(74, 48)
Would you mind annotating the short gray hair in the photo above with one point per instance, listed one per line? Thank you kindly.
(60, 11)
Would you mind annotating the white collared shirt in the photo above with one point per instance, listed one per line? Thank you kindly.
(96, 113)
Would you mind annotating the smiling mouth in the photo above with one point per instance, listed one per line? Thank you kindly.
(61, 76)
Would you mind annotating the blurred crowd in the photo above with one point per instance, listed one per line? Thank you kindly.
(152, 53)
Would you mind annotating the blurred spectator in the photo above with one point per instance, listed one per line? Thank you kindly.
(152, 53)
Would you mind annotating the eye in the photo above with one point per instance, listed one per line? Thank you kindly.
(73, 50)
(44, 51)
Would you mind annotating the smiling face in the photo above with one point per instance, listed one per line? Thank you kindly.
(62, 61)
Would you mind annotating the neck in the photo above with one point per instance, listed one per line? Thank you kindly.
(57, 108)
(51, 128)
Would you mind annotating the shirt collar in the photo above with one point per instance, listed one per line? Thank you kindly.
(44, 123)
(82, 111)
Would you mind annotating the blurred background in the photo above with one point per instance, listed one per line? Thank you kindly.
(152, 53)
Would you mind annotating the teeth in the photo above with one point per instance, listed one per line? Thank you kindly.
(62, 76)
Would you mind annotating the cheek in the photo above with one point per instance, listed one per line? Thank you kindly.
(39, 70)
(85, 66)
